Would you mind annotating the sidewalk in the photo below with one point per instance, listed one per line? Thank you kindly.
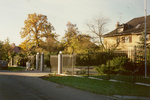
(25, 73)
(132, 97)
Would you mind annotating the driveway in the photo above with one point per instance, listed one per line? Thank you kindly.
(27, 86)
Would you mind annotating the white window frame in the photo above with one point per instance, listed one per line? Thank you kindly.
(127, 39)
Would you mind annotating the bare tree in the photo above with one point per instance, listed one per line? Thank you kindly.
(97, 26)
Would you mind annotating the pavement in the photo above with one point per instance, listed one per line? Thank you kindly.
(25, 73)
(27, 86)
(131, 97)
(40, 74)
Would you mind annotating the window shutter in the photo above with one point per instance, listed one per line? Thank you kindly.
(130, 39)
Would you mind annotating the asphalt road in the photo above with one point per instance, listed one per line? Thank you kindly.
(27, 86)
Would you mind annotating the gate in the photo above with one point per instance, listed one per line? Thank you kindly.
(68, 62)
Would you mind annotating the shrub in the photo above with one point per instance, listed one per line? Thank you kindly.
(100, 69)
(81, 72)
(114, 66)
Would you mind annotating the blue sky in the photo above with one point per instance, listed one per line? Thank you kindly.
(59, 12)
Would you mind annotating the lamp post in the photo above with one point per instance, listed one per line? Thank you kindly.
(145, 39)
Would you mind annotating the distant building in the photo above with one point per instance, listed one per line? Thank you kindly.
(127, 35)
(15, 49)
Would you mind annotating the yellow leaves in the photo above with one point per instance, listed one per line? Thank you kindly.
(70, 50)
(23, 45)
(37, 26)
(42, 35)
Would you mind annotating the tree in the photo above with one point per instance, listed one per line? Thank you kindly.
(97, 27)
(84, 44)
(140, 48)
(25, 45)
(4, 49)
(1, 49)
(70, 37)
(50, 45)
(36, 28)
(75, 42)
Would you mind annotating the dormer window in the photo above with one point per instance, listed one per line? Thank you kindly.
(120, 30)
(137, 26)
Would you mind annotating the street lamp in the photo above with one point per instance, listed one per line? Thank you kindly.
(145, 39)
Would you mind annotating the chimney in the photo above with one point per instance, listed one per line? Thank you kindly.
(117, 25)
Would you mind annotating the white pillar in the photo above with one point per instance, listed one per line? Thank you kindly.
(60, 62)
(37, 61)
(42, 61)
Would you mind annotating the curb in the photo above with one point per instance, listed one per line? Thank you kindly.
(132, 97)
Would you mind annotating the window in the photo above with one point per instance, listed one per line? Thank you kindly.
(118, 40)
(127, 39)
(120, 30)
(137, 26)
(123, 39)
(148, 36)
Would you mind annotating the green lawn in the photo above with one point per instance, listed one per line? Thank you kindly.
(104, 87)
(16, 69)
(125, 78)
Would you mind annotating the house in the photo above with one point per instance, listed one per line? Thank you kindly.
(15, 49)
(127, 35)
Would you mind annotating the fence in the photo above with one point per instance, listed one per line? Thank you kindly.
(139, 59)
(67, 63)
(82, 63)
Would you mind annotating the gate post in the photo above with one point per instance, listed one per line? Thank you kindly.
(37, 61)
(60, 62)
(42, 61)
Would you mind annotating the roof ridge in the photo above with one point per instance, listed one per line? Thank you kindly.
(132, 24)
(141, 17)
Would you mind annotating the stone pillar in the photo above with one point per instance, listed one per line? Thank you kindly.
(11, 61)
(60, 63)
(37, 61)
(42, 61)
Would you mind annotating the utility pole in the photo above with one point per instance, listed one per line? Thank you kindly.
(145, 39)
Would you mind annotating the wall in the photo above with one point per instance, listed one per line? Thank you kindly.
(110, 42)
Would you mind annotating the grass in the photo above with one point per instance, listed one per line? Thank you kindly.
(125, 78)
(104, 87)
(16, 68)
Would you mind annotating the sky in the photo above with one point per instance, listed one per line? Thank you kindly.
(13, 13)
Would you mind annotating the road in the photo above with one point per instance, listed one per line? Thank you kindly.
(27, 86)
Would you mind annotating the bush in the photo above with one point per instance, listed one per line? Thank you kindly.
(81, 72)
(92, 59)
(100, 69)
(114, 66)
(96, 59)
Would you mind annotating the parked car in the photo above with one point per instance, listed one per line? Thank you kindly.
(3, 64)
